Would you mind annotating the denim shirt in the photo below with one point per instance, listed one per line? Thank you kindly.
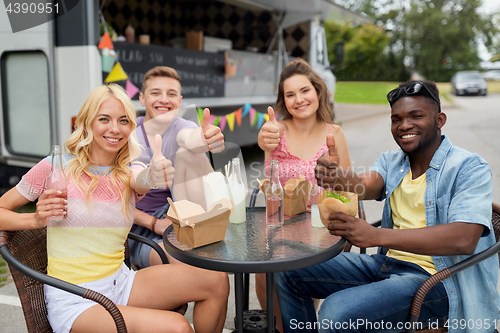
(459, 189)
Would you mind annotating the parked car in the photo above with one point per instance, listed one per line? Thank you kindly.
(468, 82)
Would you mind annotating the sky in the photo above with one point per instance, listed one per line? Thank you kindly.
(488, 6)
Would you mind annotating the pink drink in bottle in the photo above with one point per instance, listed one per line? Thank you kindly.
(57, 180)
(275, 214)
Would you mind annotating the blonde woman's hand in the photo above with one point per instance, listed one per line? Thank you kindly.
(50, 203)
(161, 171)
(270, 132)
(213, 135)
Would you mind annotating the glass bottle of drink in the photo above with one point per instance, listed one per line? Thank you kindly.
(238, 193)
(57, 179)
(275, 215)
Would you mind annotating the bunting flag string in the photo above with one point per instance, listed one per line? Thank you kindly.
(235, 118)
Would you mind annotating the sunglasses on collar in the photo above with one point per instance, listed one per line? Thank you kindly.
(411, 89)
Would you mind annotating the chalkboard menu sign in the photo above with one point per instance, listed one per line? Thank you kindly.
(202, 73)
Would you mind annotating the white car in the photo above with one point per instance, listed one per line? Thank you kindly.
(468, 83)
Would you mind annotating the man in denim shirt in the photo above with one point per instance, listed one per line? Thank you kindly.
(437, 212)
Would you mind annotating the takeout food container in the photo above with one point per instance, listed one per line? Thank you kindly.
(328, 206)
(295, 194)
(198, 227)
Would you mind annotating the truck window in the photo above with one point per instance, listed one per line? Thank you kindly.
(26, 106)
(320, 51)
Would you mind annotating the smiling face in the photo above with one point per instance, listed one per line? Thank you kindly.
(111, 129)
(416, 124)
(162, 95)
(301, 99)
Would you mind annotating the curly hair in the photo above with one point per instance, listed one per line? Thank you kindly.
(78, 144)
(301, 67)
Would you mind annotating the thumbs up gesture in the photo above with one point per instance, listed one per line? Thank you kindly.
(161, 171)
(327, 165)
(213, 135)
(269, 136)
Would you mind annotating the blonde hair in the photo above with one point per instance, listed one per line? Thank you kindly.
(78, 144)
(301, 67)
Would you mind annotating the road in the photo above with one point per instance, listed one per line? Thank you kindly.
(473, 124)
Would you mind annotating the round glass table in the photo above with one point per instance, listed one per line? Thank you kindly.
(254, 247)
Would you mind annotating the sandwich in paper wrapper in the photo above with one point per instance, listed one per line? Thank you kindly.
(336, 202)
(195, 227)
(295, 194)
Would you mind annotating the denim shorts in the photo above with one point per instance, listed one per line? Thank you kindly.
(63, 307)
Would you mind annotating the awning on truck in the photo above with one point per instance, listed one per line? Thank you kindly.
(297, 11)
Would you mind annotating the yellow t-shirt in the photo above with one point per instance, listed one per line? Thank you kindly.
(408, 212)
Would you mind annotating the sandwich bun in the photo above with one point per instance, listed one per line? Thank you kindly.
(330, 205)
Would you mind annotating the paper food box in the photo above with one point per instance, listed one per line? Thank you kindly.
(295, 194)
(195, 227)
(328, 205)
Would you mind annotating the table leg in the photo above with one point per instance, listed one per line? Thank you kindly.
(246, 293)
(238, 291)
(270, 301)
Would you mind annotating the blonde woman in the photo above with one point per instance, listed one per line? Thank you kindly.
(87, 248)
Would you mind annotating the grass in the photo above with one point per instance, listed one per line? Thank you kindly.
(360, 92)
(351, 92)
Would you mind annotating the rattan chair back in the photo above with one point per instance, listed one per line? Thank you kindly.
(30, 247)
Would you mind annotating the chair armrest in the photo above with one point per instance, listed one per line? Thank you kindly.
(156, 247)
(60, 284)
(444, 274)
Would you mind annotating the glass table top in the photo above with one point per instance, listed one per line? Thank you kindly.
(254, 247)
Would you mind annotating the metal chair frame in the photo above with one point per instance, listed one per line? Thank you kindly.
(29, 282)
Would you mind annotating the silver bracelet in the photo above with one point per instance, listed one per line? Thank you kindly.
(151, 186)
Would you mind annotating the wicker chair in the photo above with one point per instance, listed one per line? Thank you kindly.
(26, 253)
(446, 273)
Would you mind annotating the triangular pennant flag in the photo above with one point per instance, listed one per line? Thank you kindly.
(252, 116)
(212, 119)
(200, 115)
(222, 123)
(237, 114)
(246, 109)
(107, 63)
(260, 119)
(256, 118)
(266, 117)
(117, 74)
(131, 89)
(106, 42)
(230, 121)
(216, 121)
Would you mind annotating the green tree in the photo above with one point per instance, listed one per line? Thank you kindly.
(363, 50)
(443, 36)
(436, 38)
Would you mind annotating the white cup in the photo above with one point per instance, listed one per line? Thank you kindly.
(315, 219)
